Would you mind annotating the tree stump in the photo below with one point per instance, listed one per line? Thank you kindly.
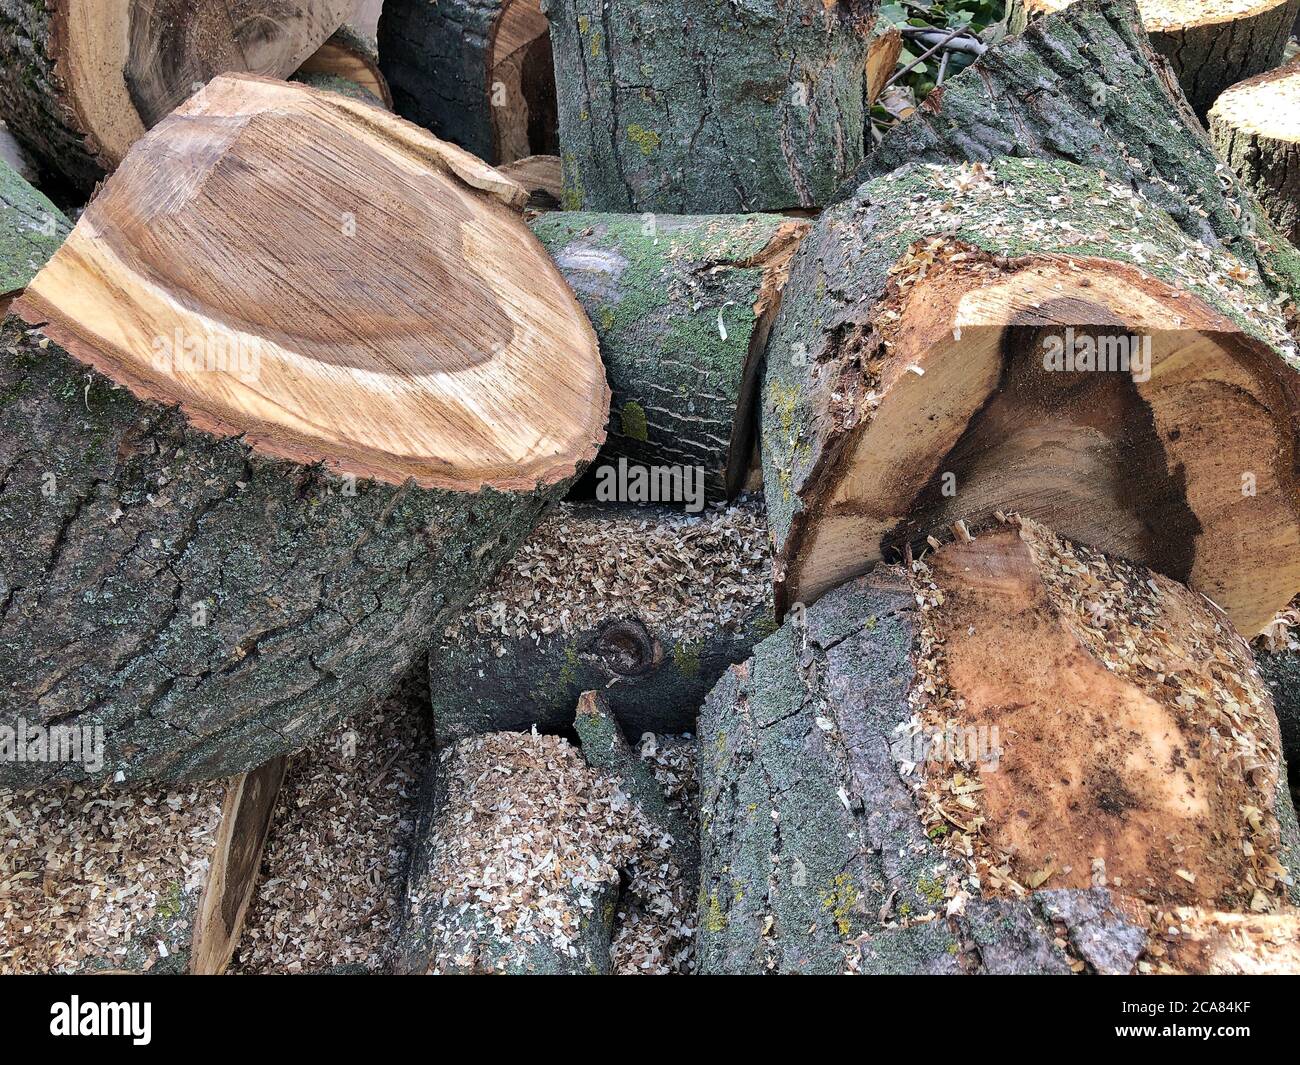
(81, 80)
(932, 767)
(682, 307)
(476, 72)
(31, 230)
(1256, 127)
(647, 605)
(353, 58)
(1209, 46)
(134, 881)
(708, 106)
(315, 382)
(1029, 337)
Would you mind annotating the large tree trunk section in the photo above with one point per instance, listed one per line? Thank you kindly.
(1029, 337)
(476, 72)
(1209, 46)
(648, 606)
(1016, 732)
(682, 307)
(353, 58)
(296, 419)
(1256, 126)
(31, 230)
(1085, 86)
(710, 106)
(482, 894)
(82, 80)
(133, 881)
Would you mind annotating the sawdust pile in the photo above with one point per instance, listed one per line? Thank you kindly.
(101, 876)
(684, 575)
(334, 861)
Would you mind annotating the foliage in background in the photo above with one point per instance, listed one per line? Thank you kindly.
(981, 17)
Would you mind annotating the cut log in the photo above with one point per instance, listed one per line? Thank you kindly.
(649, 606)
(353, 58)
(476, 72)
(1231, 944)
(929, 758)
(1085, 86)
(1256, 127)
(543, 178)
(682, 307)
(133, 881)
(352, 382)
(480, 897)
(81, 80)
(1209, 44)
(1031, 337)
(709, 106)
(31, 230)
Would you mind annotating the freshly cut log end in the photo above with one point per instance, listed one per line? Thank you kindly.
(31, 230)
(1029, 338)
(702, 107)
(351, 57)
(1085, 740)
(1256, 127)
(647, 605)
(1210, 45)
(82, 80)
(299, 419)
(144, 881)
(682, 307)
(476, 72)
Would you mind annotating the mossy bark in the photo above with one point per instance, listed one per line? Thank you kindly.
(653, 682)
(1086, 87)
(31, 230)
(813, 856)
(709, 106)
(206, 605)
(682, 307)
(1281, 670)
(1207, 57)
(339, 84)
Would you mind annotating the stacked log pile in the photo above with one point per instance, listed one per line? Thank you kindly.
(567, 487)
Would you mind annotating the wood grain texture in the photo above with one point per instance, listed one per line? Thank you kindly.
(354, 58)
(81, 80)
(215, 564)
(942, 291)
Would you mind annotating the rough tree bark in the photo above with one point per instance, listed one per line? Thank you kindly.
(31, 230)
(649, 657)
(1256, 127)
(1017, 710)
(1077, 360)
(81, 80)
(237, 513)
(1209, 46)
(1085, 86)
(352, 57)
(476, 72)
(708, 106)
(682, 307)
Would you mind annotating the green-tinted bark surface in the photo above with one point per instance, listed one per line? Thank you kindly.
(209, 607)
(675, 302)
(709, 105)
(1281, 669)
(31, 230)
(1085, 86)
(341, 85)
